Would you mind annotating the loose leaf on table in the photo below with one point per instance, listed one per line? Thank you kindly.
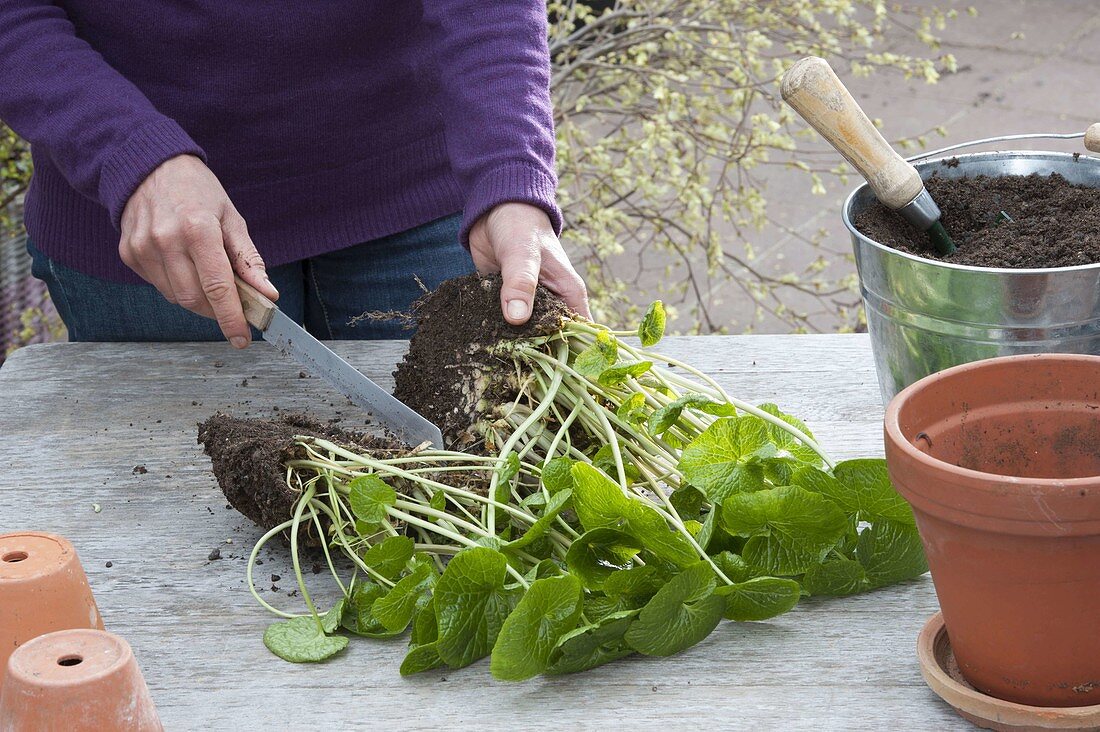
(760, 598)
(868, 480)
(681, 614)
(550, 608)
(836, 577)
(789, 529)
(652, 328)
(471, 604)
(891, 552)
(542, 524)
(557, 475)
(396, 608)
(369, 497)
(597, 554)
(301, 640)
(615, 375)
(593, 645)
(720, 462)
(390, 556)
(665, 417)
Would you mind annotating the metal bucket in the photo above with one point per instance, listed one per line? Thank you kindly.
(925, 316)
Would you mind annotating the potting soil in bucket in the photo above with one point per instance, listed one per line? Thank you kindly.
(1000, 460)
(1025, 278)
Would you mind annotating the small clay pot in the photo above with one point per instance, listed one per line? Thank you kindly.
(77, 680)
(42, 589)
(1000, 460)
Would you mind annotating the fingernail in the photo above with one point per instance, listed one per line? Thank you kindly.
(517, 309)
(239, 342)
(269, 284)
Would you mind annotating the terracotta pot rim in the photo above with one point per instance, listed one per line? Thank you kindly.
(125, 654)
(991, 480)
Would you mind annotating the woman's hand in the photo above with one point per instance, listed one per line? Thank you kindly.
(517, 240)
(181, 233)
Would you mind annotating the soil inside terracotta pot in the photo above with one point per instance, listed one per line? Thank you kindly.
(1054, 223)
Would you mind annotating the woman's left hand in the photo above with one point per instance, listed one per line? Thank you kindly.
(517, 240)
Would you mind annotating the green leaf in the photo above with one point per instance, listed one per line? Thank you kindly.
(665, 417)
(508, 469)
(717, 462)
(790, 529)
(687, 500)
(550, 608)
(597, 554)
(543, 523)
(389, 557)
(359, 612)
(557, 475)
(300, 640)
(786, 441)
(760, 598)
(681, 614)
(633, 409)
(652, 328)
(615, 375)
(601, 503)
(330, 621)
(471, 604)
(438, 501)
(420, 659)
(635, 584)
(874, 496)
(733, 566)
(604, 459)
(891, 552)
(425, 629)
(369, 498)
(836, 577)
(593, 645)
(597, 358)
(396, 608)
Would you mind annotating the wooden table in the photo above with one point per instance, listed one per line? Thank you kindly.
(80, 423)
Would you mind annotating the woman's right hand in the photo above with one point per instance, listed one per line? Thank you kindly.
(182, 234)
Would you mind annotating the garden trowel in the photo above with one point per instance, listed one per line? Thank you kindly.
(293, 340)
(815, 92)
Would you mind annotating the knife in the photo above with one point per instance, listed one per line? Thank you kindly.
(291, 339)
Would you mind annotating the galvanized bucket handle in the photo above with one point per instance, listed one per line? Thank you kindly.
(999, 138)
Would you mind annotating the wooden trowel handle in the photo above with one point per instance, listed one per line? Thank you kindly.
(258, 310)
(815, 92)
(1092, 138)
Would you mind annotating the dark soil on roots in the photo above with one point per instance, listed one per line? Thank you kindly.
(248, 457)
(1054, 223)
(448, 363)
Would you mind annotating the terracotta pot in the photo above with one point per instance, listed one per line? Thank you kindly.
(77, 680)
(42, 588)
(1000, 460)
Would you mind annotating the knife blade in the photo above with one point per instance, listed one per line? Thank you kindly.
(293, 340)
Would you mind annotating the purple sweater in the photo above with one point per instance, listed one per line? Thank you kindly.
(329, 122)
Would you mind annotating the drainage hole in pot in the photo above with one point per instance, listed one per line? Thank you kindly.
(13, 557)
(70, 660)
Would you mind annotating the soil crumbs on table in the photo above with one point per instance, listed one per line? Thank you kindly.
(248, 457)
(449, 362)
(1016, 222)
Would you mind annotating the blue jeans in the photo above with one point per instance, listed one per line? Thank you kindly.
(323, 293)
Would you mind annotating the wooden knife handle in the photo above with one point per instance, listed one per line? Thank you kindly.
(1092, 138)
(815, 92)
(258, 310)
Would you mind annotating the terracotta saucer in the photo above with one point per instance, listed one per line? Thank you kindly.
(941, 673)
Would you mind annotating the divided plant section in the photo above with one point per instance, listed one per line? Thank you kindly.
(602, 505)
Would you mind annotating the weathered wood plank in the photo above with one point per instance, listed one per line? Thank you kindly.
(78, 418)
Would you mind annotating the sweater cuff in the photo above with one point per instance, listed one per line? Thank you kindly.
(513, 183)
(137, 157)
